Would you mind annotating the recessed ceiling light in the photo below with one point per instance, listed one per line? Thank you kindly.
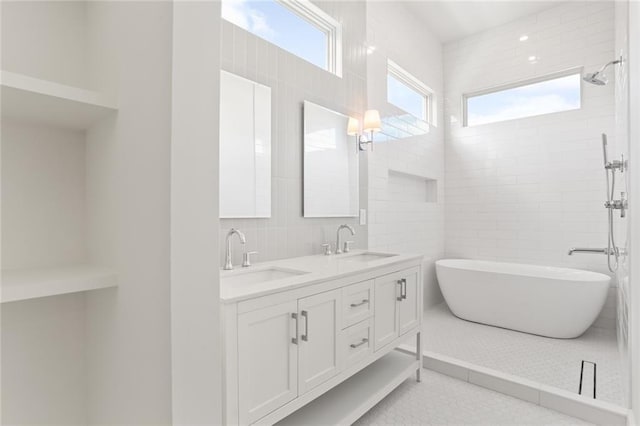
(370, 49)
(524, 37)
(533, 58)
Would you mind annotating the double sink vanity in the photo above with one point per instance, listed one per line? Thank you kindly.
(307, 340)
(304, 334)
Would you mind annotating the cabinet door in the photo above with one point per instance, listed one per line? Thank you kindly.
(267, 360)
(387, 292)
(319, 352)
(410, 305)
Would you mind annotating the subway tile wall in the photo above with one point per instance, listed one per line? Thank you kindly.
(292, 81)
(527, 190)
(406, 176)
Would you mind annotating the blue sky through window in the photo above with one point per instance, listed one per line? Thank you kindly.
(406, 98)
(275, 23)
(555, 95)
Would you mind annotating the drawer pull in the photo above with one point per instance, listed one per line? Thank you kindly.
(364, 301)
(362, 342)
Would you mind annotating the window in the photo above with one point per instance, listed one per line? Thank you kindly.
(549, 94)
(296, 26)
(409, 94)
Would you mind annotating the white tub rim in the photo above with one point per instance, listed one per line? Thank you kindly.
(524, 270)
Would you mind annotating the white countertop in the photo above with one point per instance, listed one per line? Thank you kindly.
(317, 268)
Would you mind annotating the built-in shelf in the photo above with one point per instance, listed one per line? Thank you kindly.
(23, 284)
(412, 187)
(31, 99)
(348, 401)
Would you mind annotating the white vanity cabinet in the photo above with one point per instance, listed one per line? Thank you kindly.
(319, 351)
(287, 350)
(397, 306)
(267, 360)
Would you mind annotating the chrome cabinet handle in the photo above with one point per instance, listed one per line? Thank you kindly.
(362, 342)
(305, 336)
(364, 301)
(294, 340)
(404, 288)
(399, 298)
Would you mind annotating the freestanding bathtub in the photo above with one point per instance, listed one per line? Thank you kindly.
(548, 301)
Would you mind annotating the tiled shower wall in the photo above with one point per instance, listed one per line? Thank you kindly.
(406, 205)
(292, 80)
(527, 190)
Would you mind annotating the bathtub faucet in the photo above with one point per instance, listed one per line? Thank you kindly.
(612, 251)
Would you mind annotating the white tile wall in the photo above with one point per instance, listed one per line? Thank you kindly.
(527, 190)
(400, 218)
(292, 81)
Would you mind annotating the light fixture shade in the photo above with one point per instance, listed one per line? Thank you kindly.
(353, 127)
(372, 121)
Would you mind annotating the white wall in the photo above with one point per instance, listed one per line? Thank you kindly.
(292, 81)
(51, 202)
(44, 369)
(527, 190)
(400, 219)
(195, 294)
(47, 40)
(128, 166)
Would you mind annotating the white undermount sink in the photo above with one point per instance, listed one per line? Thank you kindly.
(365, 257)
(254, 276)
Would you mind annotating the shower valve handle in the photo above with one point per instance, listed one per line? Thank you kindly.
(620, 204)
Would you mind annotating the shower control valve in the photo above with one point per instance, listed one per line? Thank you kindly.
(620, 204)
(617, 164)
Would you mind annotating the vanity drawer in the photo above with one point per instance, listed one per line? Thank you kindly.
(357, 303)
(357, 342)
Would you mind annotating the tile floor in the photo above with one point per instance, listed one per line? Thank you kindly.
(554, 362)
(442, 400)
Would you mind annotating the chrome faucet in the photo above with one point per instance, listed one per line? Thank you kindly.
(346, 246)
(227, 260)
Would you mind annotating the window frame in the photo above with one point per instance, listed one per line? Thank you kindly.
(516, 84)
(325, 23)
(321, 21)
(403, 76)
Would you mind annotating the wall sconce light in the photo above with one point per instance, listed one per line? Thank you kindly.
(372, 124)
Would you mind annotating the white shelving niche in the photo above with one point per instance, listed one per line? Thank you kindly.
(53, 206)
(47, 107)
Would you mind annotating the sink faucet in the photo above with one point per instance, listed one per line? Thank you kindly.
(353, 232)
(227, 260)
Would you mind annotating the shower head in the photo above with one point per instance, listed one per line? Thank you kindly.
(598, 78)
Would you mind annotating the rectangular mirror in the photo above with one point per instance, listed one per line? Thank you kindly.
(330, 164)
(245, 148)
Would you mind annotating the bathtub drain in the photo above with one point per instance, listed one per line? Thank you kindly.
(587, 376)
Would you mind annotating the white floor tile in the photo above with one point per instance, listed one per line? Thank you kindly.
(554, 362)
(442, 400)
